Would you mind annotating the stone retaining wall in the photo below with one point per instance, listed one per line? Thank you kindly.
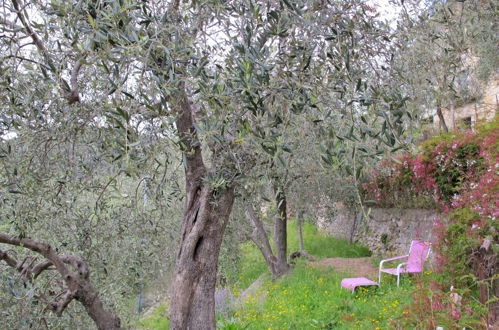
(388, 231)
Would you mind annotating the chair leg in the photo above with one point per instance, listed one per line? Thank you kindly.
(398, 279)
(379, 278)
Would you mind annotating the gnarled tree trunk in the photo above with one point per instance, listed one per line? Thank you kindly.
(193, 304)
(206, 215)
(76, 280)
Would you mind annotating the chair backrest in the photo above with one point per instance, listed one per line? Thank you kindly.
(417, 255)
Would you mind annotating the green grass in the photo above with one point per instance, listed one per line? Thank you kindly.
(156, 320)
(309, 297)
(252, 265)
(317, 244)
(320, 245)
(312, 298)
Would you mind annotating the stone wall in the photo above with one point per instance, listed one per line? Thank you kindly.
(336, 220)
(388, 231)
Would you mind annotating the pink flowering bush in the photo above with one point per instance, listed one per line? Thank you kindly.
(457, 174)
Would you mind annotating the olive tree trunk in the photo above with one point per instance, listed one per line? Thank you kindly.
(261, 240)
(195, 275)
(277, 262)
(299, 226)
(280, 230)
(206, 215)
(443, 124)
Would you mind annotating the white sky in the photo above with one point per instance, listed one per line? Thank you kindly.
(387, 10)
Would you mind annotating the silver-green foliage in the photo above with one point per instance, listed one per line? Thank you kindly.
(63, 187)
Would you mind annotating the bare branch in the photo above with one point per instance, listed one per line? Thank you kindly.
(26, 242)
(36, 39)
(8, 259)
(26, 59)
(42, 266)
(10, 25)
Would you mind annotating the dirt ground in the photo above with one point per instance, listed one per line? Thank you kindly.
(359, 267)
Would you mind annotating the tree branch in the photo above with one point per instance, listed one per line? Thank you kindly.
(26, 59)
(76, 282)
(36, 39)
(42, 266)
(72, 96)
(8, 259)
(59, 305)
(11, 25)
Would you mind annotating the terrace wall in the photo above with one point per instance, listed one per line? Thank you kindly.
(388, 231)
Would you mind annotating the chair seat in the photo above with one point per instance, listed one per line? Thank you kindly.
(393, 271)
(353, 282)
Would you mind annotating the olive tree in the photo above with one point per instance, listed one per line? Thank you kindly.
(216, 83)
(88, 184)
(444, 54)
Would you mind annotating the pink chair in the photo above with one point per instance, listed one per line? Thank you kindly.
(416, 258)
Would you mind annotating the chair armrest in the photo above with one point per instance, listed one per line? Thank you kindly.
(395, 258)
(390, 259)
(400, 266)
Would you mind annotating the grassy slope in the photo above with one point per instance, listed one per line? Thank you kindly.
(312, 298)
(309, 297)
(317, 244)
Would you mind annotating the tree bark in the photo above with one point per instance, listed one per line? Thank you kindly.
(442, 120)
(261, 240)
(193, 294)
(206, 215)
(280, 231)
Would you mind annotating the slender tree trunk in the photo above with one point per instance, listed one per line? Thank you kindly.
(299, 220)
(280, 231)
(261, 240)
(206, 215)
(442, 120)
(299, 226)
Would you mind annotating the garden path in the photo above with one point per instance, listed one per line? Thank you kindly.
(360, 267)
